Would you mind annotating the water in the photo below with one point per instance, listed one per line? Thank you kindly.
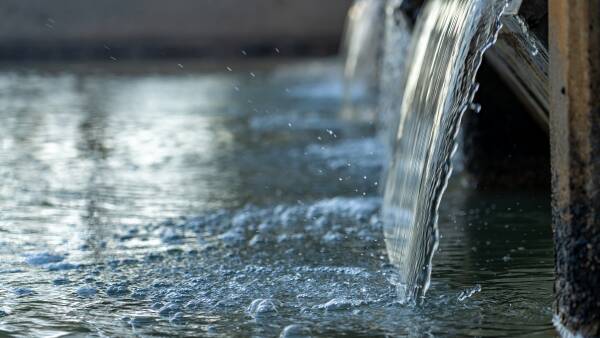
(362, 50)
(150, 200)
(396, 42)
(448, 44)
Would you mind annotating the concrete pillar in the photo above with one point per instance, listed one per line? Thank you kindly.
(574, 41)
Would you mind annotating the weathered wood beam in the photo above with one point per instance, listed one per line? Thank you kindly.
(574, 44)
(521, 60)
(520, 56)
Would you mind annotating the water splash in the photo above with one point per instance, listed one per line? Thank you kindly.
(449, 41)
(468, 293)
(531, 39)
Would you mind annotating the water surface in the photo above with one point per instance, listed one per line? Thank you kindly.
(166, 199)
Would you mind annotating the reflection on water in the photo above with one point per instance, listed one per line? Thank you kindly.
(166, 203)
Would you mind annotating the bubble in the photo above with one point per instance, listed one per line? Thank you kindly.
(177, 318)
(23, 292)
(233, 237)
(117, 290)
(43, 258)
(61, 281)
(61, 266)
(261, 307)
(339, 304)
(168, 310)
(295, 331)
(86, 292)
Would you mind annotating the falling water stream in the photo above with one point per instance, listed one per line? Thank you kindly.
(396, 43)
(362, 52)
(449, 42)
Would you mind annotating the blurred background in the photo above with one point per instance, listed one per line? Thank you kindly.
(113, 29)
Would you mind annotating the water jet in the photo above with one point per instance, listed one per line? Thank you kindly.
(555, 74)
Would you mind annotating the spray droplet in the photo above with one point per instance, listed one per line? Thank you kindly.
(468, 293)
(476, 107)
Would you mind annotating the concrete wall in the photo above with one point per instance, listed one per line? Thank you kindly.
(199, 27)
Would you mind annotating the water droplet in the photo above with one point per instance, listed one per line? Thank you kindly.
(468, 293)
